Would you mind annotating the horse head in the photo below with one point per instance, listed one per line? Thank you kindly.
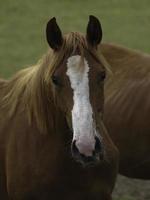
(78, 83)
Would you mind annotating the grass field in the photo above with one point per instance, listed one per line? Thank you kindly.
(22, 26)
(22, 39)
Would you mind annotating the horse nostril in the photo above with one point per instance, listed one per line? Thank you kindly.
(88, 160)
(98, 146)
(84, 158)
(74, 149)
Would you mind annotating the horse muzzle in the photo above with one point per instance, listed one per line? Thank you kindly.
(86, 155)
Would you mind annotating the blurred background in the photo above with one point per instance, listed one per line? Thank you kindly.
(22, 42)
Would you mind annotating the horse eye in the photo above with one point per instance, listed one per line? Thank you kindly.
(101, 76)
(55, 80)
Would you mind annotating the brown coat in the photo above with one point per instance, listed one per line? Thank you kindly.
(127, 108)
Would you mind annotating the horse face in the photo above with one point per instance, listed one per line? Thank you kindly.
(78, 84)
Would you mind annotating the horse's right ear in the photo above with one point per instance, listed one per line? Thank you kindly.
(94, 31)
(53, 34)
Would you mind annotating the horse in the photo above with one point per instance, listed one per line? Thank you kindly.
(53, 143)
(127, 108)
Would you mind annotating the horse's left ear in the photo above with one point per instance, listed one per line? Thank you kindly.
(53, 34)
(94, 31)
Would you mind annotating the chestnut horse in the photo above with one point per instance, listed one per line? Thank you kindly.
(46, 109)
(127, 108)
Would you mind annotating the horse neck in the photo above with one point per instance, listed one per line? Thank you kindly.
(129, 81)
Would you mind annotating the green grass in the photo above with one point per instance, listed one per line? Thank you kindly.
(22, 26)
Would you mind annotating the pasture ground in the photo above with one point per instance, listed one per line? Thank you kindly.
(22, 41)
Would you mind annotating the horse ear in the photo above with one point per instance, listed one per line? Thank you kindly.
(94, 31)
(53, 34)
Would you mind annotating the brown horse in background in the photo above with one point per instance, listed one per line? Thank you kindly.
(47, 108)
(127, 108)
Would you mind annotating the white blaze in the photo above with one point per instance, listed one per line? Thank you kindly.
(82, 115)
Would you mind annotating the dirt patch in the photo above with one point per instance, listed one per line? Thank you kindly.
(131, 189)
